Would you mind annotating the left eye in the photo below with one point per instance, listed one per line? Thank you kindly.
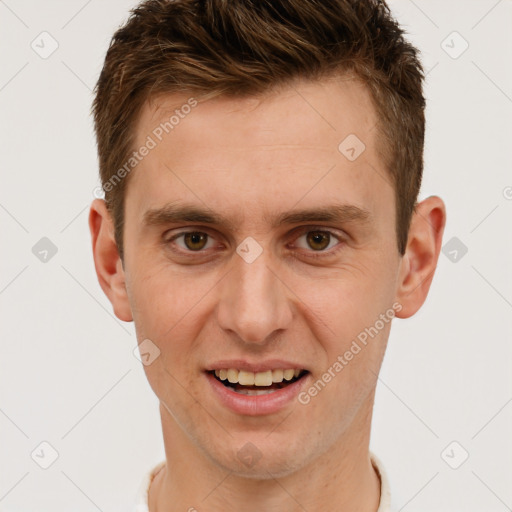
(319, 240)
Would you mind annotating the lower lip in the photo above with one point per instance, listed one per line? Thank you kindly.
(256, 405)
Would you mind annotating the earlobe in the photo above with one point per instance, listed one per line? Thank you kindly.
(420, 259)
(107, 261)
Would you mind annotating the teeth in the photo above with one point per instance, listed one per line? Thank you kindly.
(288, 374)
(263, 378)
(277, 375)
(246, 378)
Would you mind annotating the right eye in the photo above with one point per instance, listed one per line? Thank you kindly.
(193, 241)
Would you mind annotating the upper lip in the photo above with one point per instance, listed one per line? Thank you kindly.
(260, 366)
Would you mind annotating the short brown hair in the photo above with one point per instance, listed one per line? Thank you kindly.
(242, 47)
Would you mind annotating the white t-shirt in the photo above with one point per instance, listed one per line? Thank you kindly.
(141, 502)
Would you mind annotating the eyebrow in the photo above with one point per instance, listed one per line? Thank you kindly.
(174, 213)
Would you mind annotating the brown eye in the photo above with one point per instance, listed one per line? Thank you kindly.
(318, 240)
(195, 240)
(319, 243)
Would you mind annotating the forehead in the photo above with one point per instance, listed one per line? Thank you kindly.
(307, 142)
(337, 105)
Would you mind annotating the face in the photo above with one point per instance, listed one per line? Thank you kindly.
(246, 285)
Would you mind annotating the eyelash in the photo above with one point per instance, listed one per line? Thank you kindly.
(304, 231)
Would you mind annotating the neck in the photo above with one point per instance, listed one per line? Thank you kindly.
(341, 479)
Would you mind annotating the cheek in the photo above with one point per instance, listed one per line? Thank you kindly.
(346, 380)
(345, 312)
(169, 308)
(166, 312)
(160, 297)
(348, 299)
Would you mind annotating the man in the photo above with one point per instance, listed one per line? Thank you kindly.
(261, 163)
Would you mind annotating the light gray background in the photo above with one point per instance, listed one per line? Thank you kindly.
(68, 375)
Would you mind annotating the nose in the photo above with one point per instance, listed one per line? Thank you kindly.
(254, 303)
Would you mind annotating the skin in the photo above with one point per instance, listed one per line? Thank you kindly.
(250, 159)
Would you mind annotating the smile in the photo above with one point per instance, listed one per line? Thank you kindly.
(257, 383)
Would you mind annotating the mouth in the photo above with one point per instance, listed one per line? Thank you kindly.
(257, 383)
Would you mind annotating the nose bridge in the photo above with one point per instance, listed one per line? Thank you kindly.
(254, 303)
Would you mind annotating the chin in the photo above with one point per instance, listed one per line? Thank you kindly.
(264, 463)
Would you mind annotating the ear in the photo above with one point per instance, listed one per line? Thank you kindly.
(420, 259)
(108, 264)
